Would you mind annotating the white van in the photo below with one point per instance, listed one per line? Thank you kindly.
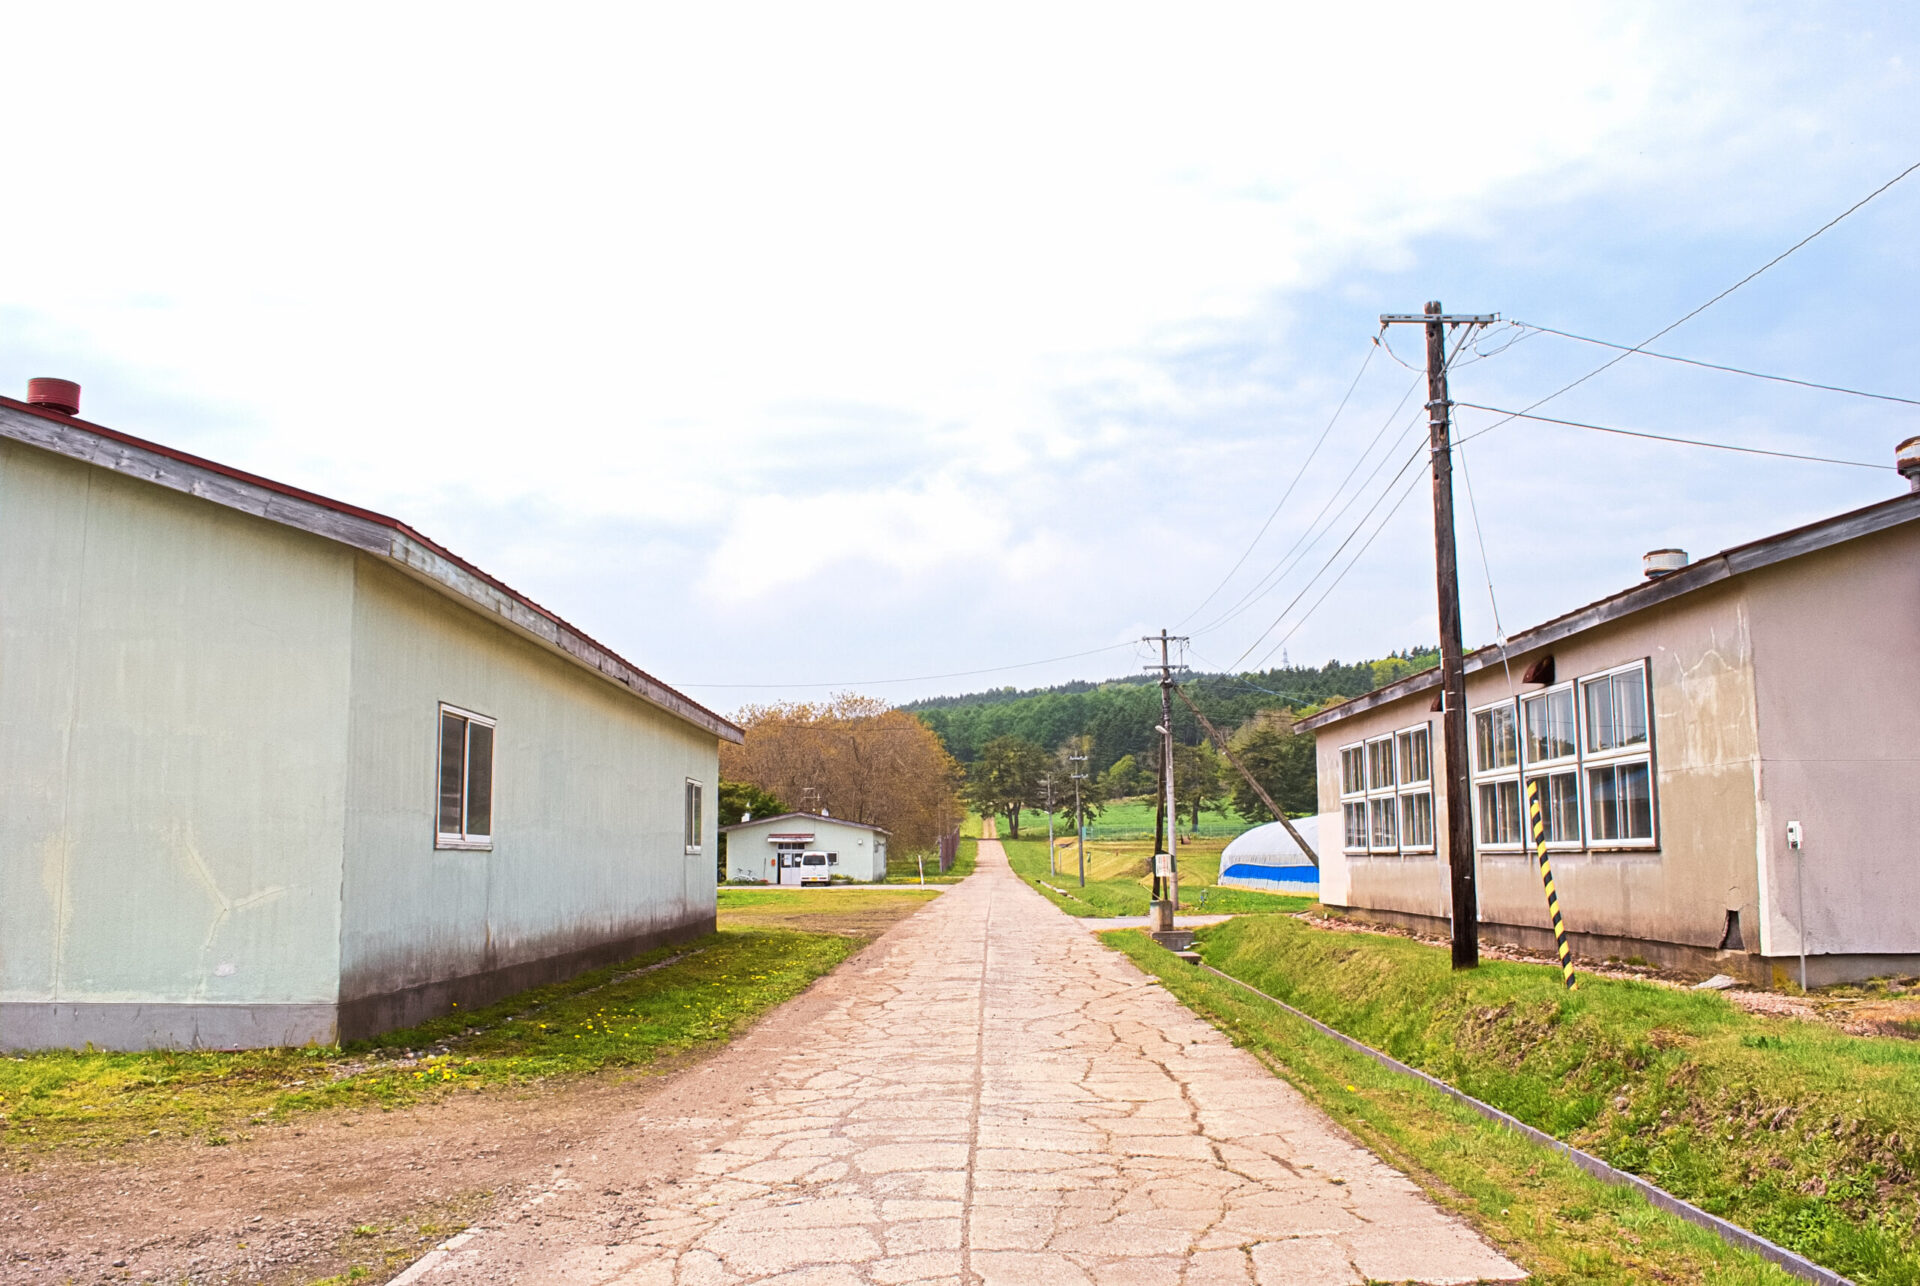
(814, 869)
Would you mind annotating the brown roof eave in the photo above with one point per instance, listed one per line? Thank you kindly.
(1711, 570)
(320, 515)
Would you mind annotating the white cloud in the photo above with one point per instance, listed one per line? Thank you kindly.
(834, 296)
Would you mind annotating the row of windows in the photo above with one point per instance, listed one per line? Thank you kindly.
(466, 785)
(1587, 745)
(1391, 781)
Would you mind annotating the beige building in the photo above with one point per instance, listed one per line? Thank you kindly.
(1675, 731)
(275, 769)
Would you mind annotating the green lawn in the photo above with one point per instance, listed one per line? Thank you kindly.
(1804, 1134)
(613, 1018)
(1132, 819)
(903, 869)
(1117, 880)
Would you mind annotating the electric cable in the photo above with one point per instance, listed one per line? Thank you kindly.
(1611, 362)
(1288, 493)
(1312, 534)
(1657, 437)
(1716, 366)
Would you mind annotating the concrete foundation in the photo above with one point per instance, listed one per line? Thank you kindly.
(1749, 967)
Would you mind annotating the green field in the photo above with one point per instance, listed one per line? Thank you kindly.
(1804, 1134)
(904, 868)
(1132, 819)
(1117, 882)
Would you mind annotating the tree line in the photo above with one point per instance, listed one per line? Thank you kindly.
(1009, 741)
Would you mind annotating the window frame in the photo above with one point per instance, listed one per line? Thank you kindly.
(1406, 790)
(1352, 799)
(1616, 757)
(693, 816)
(1545, 769)
(464, 840)
(1495, 777)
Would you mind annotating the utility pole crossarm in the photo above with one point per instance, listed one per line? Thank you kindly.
(1448, 319)
(1258, 789)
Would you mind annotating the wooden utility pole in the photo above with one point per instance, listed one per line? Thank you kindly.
(1047, 781)
(1079, 816)
(1453, 675)
(1165, 641)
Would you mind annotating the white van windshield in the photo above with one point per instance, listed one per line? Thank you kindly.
(816, 859)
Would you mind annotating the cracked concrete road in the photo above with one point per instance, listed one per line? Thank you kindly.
(988, 1095)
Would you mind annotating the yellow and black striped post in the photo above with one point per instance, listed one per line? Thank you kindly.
(1546, 877)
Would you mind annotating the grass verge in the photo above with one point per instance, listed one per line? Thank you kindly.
(1562, 1225)
(1117, 881)
(904, 869)
(1804, 1134)
(629, 1016)
(1133, 819)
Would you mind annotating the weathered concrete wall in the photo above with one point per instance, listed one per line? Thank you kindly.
(1705, 761)
(1836, 636)
(863, 853)
(588, 862)
(173, 744)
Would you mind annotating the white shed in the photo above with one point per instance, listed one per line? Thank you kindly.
(769, 848)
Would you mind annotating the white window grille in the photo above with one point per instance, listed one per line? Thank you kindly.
(693, 818)
(1499, 819)
(1551, 746)
(465, 819)
(1617, 759)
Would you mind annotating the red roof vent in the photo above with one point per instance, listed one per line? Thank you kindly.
(56, 395)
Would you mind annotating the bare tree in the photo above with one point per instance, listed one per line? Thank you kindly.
(857, 758)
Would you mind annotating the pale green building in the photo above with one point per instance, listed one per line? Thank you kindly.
(275, 769)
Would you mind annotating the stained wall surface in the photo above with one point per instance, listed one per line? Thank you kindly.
(1706, 761)
(173, 746)
(588, 857)
(1836, 636)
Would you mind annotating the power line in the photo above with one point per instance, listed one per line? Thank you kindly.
(1716, 366)
(1334, 557)
(1658, 437)
(1514, 415)
(1308, 538)
(1331, 559)
(1288, 493)
(1335, 582)
(923, 678)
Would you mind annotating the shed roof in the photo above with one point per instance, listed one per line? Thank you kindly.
(812, 817)
(1711, 570)
(362, 529)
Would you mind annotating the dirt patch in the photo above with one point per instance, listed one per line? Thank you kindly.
(293, 1202)
(329, 1192)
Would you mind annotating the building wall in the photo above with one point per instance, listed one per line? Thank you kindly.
(173, 744)
(1835, 635)
(588, 863)
(863, 853)
(1706, 761)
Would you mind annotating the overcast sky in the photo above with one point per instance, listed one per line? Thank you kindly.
(809, 346)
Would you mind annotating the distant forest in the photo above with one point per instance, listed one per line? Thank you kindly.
(1119, 714)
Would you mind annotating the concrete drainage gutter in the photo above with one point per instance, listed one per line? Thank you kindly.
(1734, 1235)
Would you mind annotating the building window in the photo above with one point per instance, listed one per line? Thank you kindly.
(1551, 741)
(1617, 758)
(1353, 798)
(1499, 818)
(1413, 747)
(466, 780)
(693, 830)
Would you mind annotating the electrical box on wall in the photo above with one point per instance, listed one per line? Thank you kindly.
(1793, 835)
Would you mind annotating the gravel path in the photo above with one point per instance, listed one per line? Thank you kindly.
(986, 1095)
